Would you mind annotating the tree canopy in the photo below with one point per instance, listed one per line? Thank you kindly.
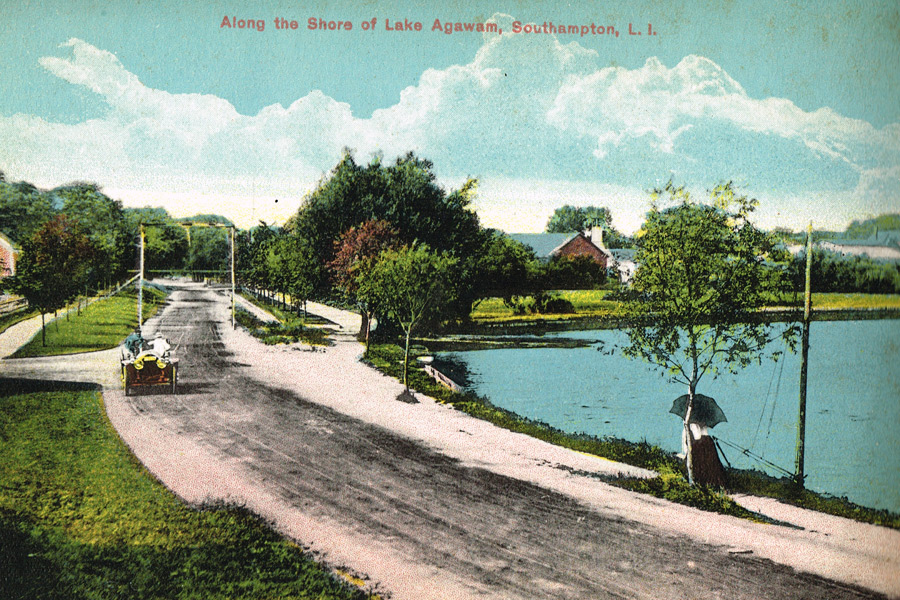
(410, 286)
(405, 194)
(54, 265)
(23, 209)
(703, 272)
(572, 219)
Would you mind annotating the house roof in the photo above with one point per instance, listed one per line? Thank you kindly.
(622, 254)
(7, 240)
(543, 244)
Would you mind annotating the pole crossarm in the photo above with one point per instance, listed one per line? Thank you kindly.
(187, 225)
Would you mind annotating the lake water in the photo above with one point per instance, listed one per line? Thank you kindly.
(853, 402)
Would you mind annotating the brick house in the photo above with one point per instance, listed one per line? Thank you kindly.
(8, 255)
(552, 245)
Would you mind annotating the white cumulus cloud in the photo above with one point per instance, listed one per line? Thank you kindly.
(526, 108)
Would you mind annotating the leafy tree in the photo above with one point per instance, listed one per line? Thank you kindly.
(209, 250)
(108, 230)
(53, 266)
(506, 269)
(165, 240)
(704, 270)
(832, 272)
(573, 273)
(252, 253)
(572, 219)
(411, 286)
(355, 254)
(23, 209)
(290, 264)
(867, 228)
(406, 195)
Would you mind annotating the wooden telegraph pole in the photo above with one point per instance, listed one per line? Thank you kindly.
(804, 355)
(141, 282)
(233, 326)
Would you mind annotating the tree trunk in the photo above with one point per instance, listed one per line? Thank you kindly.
(688, 451)
(43, 330)
(406, 362)
(692, 390)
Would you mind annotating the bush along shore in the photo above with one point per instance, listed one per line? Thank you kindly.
(671, 483)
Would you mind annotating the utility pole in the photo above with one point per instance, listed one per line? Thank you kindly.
(141, 282)
(804, 355)
(233, 326)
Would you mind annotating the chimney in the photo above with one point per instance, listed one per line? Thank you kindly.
(595, 234)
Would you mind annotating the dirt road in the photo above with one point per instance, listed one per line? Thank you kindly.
(416, 518)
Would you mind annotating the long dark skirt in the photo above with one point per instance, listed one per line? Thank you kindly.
(708, 469)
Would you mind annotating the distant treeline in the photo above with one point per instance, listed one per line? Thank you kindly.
(832, 272)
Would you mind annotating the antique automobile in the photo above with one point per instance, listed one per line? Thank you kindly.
(148, 365)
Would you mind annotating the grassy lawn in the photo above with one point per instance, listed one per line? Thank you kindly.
(81, 519)
(103, 324)
(593, 303)
(587, 303)
(276, 310)
(854, 301)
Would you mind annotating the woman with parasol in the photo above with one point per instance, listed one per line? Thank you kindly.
(705, 414)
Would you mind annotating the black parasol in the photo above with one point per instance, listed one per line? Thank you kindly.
(706, 411)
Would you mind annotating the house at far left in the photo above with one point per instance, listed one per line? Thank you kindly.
(8, 255)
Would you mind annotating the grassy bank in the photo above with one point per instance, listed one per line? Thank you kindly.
(284, 332)
(81, 519)
(597, 304)
(671, 483)
(8, 320)
(101, 325)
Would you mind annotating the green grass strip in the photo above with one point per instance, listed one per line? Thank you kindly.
(10, 319)
(101, 325)
(288, 332)
(81, 519)
(594, 304)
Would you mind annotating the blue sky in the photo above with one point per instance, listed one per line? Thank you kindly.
(796, 102)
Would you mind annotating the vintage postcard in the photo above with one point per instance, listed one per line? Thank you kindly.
(471, 299)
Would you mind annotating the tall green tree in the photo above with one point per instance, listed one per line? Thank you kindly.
(252, 253)
(291, 266)
(572, 219)
(165, 240)
(506, 269)
(53, 266)
(411, 286)
(704, 271)
(405, 194)
(209, 246)
(23, 209)
(105, 225)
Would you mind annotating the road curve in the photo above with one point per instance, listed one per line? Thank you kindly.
(419, 522)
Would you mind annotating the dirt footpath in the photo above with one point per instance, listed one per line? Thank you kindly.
(431, 503)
